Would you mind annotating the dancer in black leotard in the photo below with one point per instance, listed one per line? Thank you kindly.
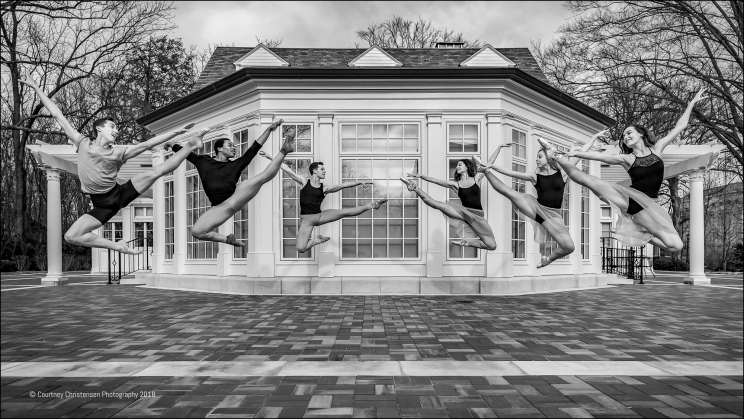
(642, 220)
(220, 176)
(467, 215)
(311, 197)
(545, 211)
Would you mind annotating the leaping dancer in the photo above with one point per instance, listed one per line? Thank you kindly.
(219, 176)
(312, 195)
(468, 216)
(642, 220)
(545, 211)
(99, 161)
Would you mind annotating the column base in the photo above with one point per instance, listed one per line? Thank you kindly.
(52, 280)
(700, 279)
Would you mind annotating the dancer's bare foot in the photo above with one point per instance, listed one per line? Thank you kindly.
(377, 204)
(544, 261)
(123, 248)
(232, 241)
(460, 242)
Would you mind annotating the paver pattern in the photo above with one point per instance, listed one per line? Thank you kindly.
(369, 397)
(95, 322)
(128, 323)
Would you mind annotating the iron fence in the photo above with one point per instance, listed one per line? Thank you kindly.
(623, 260)
(124, 264)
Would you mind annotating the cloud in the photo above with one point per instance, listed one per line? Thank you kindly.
(334, 24)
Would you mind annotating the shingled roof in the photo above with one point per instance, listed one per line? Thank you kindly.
(220, 64)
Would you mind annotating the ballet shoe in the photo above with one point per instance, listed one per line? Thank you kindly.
(322, 239)
(544, 261)
(287, 147)
(234, 242)
(550, 151)
(458, 242)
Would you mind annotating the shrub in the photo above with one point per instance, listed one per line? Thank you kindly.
(669, 264)
(41, 260)
(22, 262)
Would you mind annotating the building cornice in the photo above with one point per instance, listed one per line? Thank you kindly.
(389, 73)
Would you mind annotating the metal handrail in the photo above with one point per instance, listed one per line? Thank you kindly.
(131, 263)
(622, 260)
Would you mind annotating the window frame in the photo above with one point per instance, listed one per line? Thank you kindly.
(478, 134)
(406, 195)
(517, 218)
(190, 240)
(372, 152)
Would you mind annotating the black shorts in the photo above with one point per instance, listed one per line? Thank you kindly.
(106, 205)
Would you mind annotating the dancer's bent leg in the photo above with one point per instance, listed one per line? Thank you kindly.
(565, 247)
(598, 186)
(666, 240)
(304, 242)
(246, 190)
(80, 234)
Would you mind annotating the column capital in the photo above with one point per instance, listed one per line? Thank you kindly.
(697, 175)
(433, 118)
(325, 119)
(52, 174)
(493, 118)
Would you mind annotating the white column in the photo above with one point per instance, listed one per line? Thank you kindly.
(533, 249)
(158, 217)
(326, 256)
(263, 261)
(697, 230)
(435, 226)
(499, 262)
(54, 230)
(179, 213)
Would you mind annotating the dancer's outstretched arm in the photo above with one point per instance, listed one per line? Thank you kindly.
(265, 135)
(585, 148)
(297, 178)
(681, 123)
(336, 188)
(72, 134)
(137, 149)
(621, 159)
(445, 183)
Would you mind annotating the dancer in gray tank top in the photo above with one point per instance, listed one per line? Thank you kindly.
(99, 161)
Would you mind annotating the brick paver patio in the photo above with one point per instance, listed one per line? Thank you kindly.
(94, 323)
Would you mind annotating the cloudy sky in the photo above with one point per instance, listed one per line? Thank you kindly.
(334, 24)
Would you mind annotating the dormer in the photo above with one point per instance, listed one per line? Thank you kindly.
(260, 56)
(375, 56)
(487, 56)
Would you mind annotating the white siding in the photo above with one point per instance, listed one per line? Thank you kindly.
(260, 58)
(487, 58)
(375, 58)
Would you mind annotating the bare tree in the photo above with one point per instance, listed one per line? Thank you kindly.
(403, 33)
(270, 43)
(657, 51)
(64, 45)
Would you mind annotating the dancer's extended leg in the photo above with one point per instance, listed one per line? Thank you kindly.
(80, 233)
(565, 244)
(482, 242)
(246, 190)
(304, 243)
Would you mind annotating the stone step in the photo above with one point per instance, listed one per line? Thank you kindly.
(378, 285)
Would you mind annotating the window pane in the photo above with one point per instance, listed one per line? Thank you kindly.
(291, 208)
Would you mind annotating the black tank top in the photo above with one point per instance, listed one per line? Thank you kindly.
(647, 174)
(550, 190)
(470, 197)
(310, 199)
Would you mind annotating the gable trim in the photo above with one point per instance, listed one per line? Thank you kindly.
(353, 62)
(509, 62)
(237, 65)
